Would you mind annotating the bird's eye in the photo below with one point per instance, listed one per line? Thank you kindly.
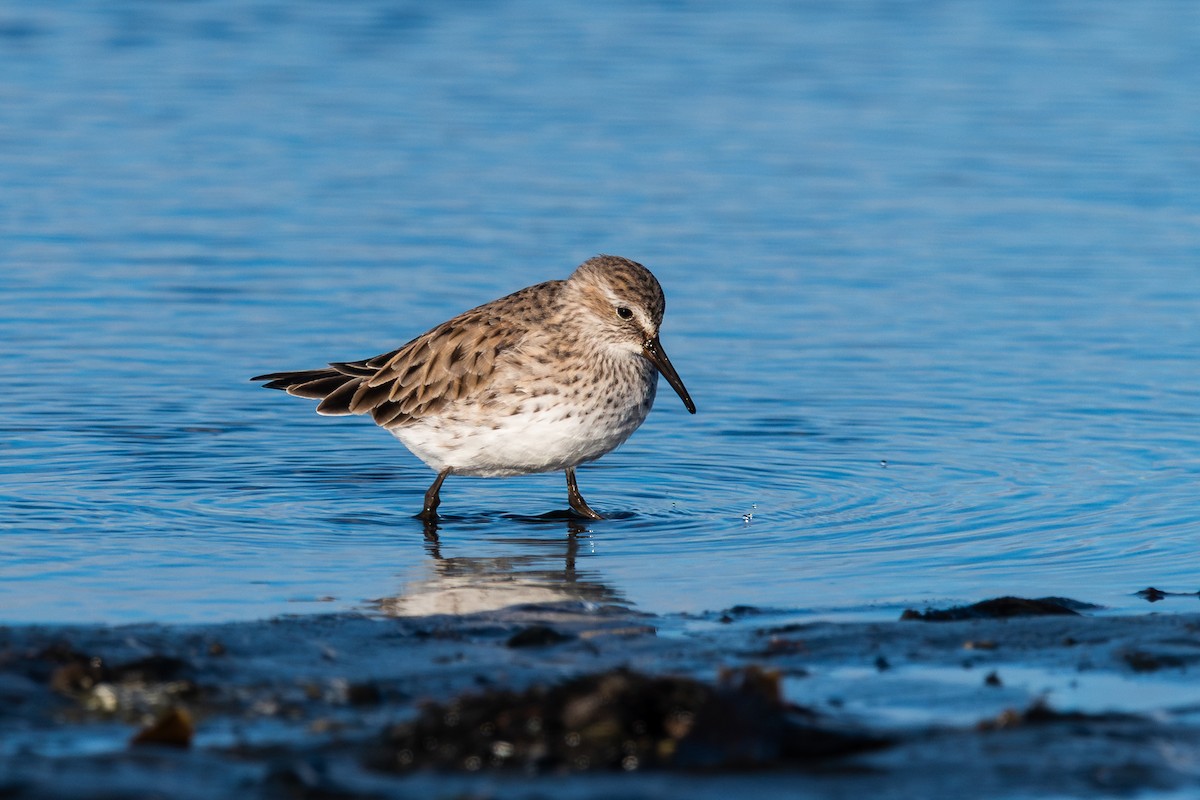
(624, 312)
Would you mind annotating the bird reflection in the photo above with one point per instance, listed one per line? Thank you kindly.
(542, 569)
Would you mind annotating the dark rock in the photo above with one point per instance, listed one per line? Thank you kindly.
(174, 728)
(618, 720)
(363, 694)
(537, 636)
(1141, 661)
(1041, 714)
(1000, 608)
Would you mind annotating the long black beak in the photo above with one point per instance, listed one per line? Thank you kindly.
(654, 353)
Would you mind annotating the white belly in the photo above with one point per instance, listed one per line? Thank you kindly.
(546, 436)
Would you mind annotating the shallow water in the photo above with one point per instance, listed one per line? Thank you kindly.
(933, 280)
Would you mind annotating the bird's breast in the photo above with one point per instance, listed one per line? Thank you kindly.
(543, 424)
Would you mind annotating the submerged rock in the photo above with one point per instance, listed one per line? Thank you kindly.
(1040, 713)
(619, 720)
(1000, 608)
(537, 636)
(173, 728)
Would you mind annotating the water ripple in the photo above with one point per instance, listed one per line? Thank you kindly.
(942, 334)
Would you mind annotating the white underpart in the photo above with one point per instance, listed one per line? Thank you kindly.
(551, 432)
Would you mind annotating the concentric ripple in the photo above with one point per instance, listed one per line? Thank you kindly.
(941, 331)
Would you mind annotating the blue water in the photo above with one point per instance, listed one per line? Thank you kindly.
(933, 280)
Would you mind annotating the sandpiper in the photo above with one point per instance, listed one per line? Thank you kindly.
(545, 379)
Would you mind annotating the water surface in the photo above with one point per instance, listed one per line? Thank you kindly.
(933, 280)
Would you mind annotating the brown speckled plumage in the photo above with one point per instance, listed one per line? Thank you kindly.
(567, 366)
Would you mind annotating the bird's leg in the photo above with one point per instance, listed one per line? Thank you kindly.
(432, 498)
(578, 504)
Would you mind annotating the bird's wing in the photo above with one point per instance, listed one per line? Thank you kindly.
(454, 361)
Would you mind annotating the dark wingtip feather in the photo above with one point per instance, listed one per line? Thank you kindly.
(319, 387)
(315, 383)
(337, 402)
(278, 380)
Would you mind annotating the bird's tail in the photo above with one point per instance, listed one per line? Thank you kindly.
(323, 385)
(341, 387)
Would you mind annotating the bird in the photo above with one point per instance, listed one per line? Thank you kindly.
(545, 379)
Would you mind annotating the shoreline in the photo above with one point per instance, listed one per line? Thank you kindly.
(996, 706)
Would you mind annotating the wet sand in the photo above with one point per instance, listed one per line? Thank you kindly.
(585, 700)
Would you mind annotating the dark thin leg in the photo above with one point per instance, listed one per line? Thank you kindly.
(578, 504)
(432, 498)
